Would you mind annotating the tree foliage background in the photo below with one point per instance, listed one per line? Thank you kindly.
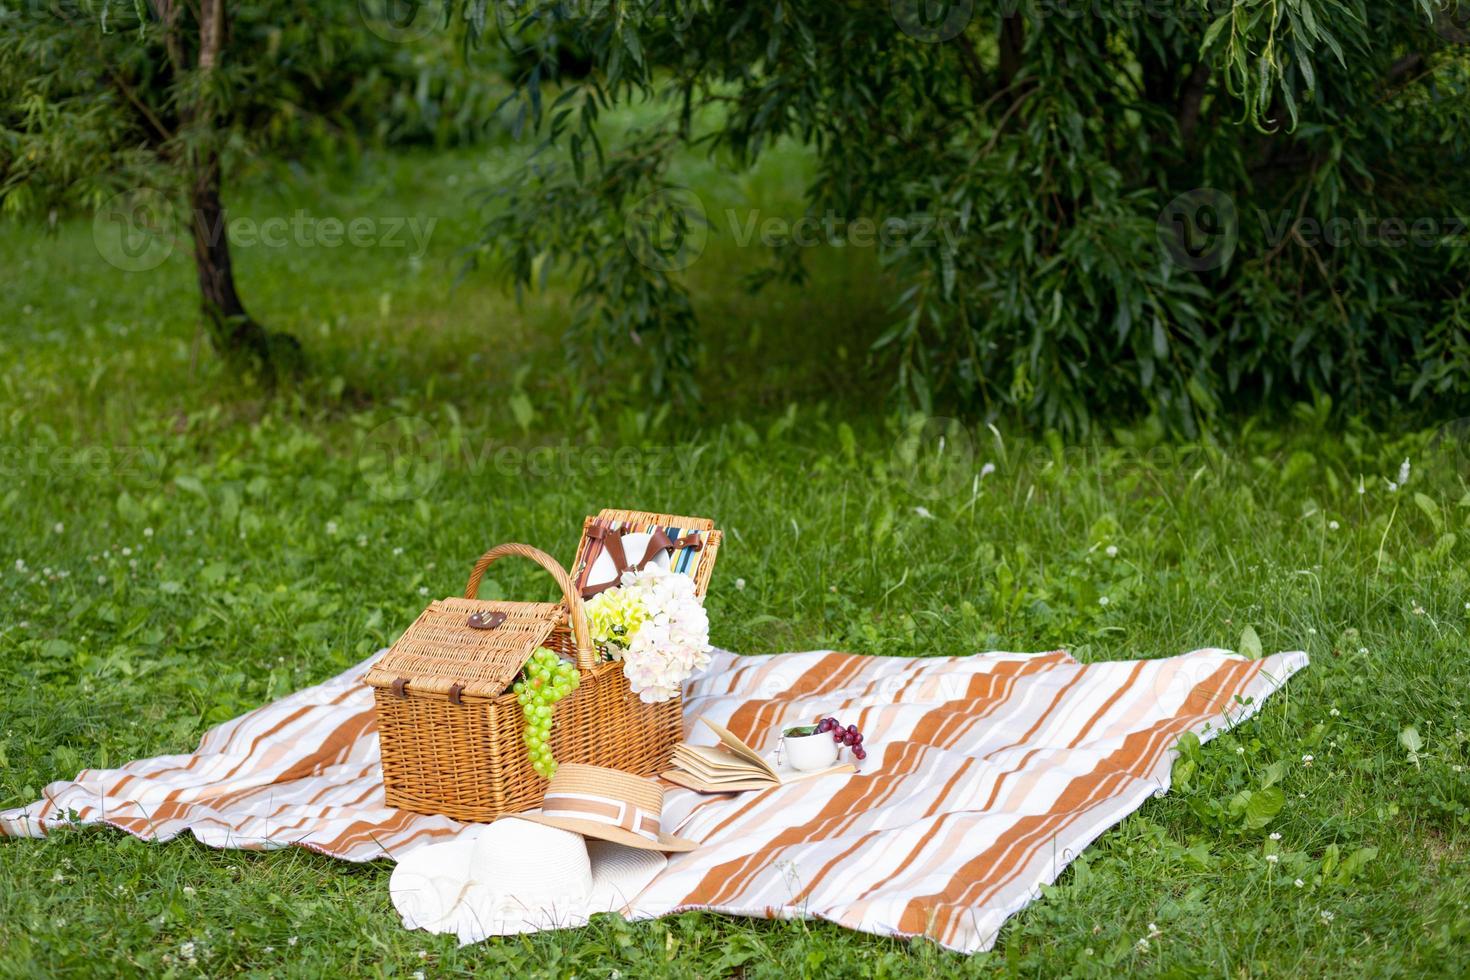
(159, 100)
(1163, 207)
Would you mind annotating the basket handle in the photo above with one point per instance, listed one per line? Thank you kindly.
(586, 655)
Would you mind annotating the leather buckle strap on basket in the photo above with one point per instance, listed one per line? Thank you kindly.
(452, 732)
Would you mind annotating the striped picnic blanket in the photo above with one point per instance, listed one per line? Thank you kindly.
(986, 776)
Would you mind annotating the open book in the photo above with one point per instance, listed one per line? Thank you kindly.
(733, 766)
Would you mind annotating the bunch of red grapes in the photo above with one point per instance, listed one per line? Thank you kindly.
(849, 736)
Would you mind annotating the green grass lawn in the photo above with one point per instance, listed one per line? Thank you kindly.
(179, 549)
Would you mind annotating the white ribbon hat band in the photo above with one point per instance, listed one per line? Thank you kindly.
(600, 809)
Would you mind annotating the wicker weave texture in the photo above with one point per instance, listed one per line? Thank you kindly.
(468, 760)
(441, 649)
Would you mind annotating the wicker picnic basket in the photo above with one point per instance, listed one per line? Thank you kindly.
(451, 731)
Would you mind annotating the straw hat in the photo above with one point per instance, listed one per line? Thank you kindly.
(608, 805)
(516, 876)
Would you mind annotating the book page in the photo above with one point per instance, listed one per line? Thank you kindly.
(740, 748)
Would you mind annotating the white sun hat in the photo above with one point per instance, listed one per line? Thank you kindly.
(515, 876)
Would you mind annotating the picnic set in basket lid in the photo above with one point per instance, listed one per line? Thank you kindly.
(460, 734)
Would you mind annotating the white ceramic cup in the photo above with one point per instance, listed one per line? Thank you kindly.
(809, 753)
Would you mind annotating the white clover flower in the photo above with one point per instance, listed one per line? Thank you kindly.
(1154, 930)
(147, 532)
(1141, 945)
(1299, 883)
(1307, 760)
(1240, 750)
(188, 889)
(1111, 551)
(398, 551)
(1333, 525)
(1275, 835)
(1325, 915)
(423, 590)
(1272, 858)
(924, 513)
(331, 527)
(740, 587)
(58, 527)
(126, 552)
(1103, 600)
(1334, 712)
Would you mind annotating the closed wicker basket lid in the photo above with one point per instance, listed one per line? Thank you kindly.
(441, 649)
(470, 647)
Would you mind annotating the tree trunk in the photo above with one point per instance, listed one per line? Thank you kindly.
(232, 333)
(1012, 43)
(231, 330)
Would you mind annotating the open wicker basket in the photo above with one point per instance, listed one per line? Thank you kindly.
(450, 732)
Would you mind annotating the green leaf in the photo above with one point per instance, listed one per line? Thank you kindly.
(1213, 33)
(521, 409)
(192, 485)
(1250, 643)
(1354, 864)
(1410, 740)
(1431, 510)
(129, 509)
(1264, 804)
(1330, 859)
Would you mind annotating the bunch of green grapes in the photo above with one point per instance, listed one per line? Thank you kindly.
(545, 680)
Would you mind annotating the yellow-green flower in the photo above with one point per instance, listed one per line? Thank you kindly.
(614, 616)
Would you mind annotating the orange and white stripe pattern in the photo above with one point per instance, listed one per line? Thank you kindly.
(986, 776)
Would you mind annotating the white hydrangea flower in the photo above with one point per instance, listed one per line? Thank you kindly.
(671, 640)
